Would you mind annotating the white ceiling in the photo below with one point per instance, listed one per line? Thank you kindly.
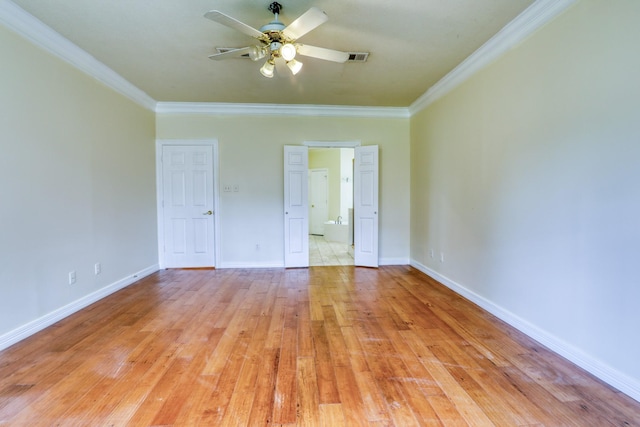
(162, 46)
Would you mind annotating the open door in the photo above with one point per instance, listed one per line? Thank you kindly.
(365, 206)
(296, 208)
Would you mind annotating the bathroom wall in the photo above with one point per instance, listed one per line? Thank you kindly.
(329, 158)
(346, 181)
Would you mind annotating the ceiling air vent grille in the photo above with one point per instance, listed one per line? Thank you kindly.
(358, 56)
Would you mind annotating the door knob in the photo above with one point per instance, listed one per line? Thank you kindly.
(208, 213)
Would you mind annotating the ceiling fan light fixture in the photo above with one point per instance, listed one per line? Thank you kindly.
(268, 68)
(294, 66)
(256, 53)
(288, 51)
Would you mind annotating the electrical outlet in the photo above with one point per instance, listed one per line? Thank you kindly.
(236, 188)
(431, 253)
(97, 268)
(72, 277)
(226, 188)
(257, 246)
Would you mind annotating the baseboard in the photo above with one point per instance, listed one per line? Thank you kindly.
(250, 265)
(393, 261)
(624, 383)
(47, 320)
(381, 261)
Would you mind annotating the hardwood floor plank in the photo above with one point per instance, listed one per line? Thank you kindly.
(331, 415)
(308, 399)
(285, 396)
(239, 409)
(265, 389)
(327, 386)
(468, 408)
(274, 347)
(380, 358)
(374, 406)
(352, 406)
(135, 390)
(335, 340)
(231, 371)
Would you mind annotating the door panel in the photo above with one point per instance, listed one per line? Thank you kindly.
(296, 208)
(188, 191)
(365, 206)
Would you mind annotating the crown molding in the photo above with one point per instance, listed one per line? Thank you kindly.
(214, 108)
(34, 30)
(29, 27)
(534, 17)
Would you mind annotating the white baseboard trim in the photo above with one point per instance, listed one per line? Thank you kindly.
(624, 383)
(25, 331)
(381, 261)
(250, 265)
(393, 261)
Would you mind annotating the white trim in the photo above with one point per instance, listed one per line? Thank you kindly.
(47, 320)
(534, 17)
(251, 265)
(394, 261)
(34, 30)
(332, 144)
(216, 193)
(213, 108)
(606, 373)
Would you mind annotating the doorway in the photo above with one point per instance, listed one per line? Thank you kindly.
(296, 203)
(330, 206)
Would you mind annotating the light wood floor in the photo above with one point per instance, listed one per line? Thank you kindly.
(324, 346)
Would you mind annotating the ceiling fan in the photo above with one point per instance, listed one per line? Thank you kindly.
(278, 41)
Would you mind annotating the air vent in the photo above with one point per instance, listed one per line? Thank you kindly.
(358, 56)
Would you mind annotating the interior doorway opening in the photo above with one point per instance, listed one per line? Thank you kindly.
(331, 206)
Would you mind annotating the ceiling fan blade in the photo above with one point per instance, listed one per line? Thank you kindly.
(230, 22)
(235, 53)
(322, 53)
(305, 23)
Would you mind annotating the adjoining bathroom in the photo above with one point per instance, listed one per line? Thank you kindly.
(331, 206)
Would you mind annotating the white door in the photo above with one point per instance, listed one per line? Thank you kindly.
(296, 207)
(365, 206)
(318, 200)
(187, 205)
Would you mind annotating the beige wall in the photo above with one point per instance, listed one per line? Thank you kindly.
(329, 158)
(77, 182)
(251, 155)
(527, 178)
